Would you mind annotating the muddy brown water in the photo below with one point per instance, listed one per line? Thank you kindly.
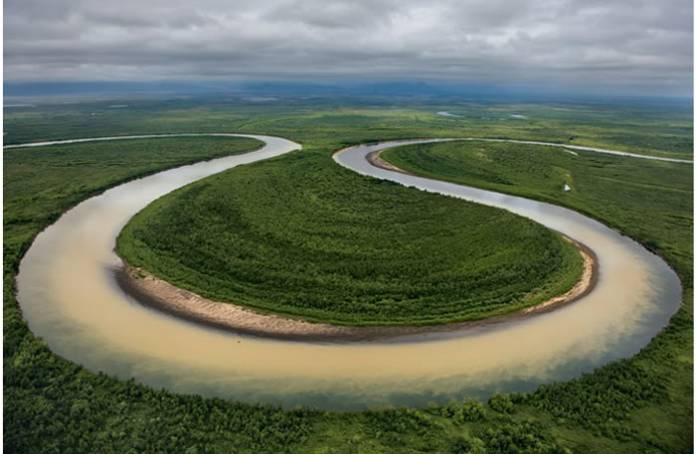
(68, 294)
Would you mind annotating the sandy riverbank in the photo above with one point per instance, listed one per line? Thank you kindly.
(164, 296)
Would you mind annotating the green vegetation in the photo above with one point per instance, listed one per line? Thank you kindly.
(617, 191)
(651, 129)
(41, 183)
(649, 201)
(301, 236)
(643, 404)
(55, 406)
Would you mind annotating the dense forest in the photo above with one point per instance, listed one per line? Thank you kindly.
(302, 236)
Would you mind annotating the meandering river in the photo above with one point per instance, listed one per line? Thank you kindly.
(68, 294)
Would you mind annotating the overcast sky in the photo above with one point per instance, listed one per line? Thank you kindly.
(629, 45)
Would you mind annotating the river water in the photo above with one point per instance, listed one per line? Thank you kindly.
(69, 296)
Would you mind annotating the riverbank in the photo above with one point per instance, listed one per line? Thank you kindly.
(157, 293)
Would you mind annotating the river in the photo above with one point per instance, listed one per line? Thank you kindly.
(68, 294)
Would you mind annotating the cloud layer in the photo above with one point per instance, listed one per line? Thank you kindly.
(640, 45)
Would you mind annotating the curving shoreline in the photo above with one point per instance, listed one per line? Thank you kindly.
(161, 295)
(68, 295)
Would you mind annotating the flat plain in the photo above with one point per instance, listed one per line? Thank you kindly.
(642, 404)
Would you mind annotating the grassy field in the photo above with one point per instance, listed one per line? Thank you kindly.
(301, 236)
(617, 191)
(653, 129)
(41, 183)
(643, 404)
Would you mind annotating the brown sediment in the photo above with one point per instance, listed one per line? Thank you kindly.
(376, 160)
(152, 291)
(587, 282)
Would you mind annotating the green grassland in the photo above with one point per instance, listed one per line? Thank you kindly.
(41, 183)
(617, 191)
(643, 404)
(302, 236)
(653, 129)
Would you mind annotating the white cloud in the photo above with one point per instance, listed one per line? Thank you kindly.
(637, 43)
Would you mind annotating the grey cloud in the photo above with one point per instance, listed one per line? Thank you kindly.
(642, 44)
